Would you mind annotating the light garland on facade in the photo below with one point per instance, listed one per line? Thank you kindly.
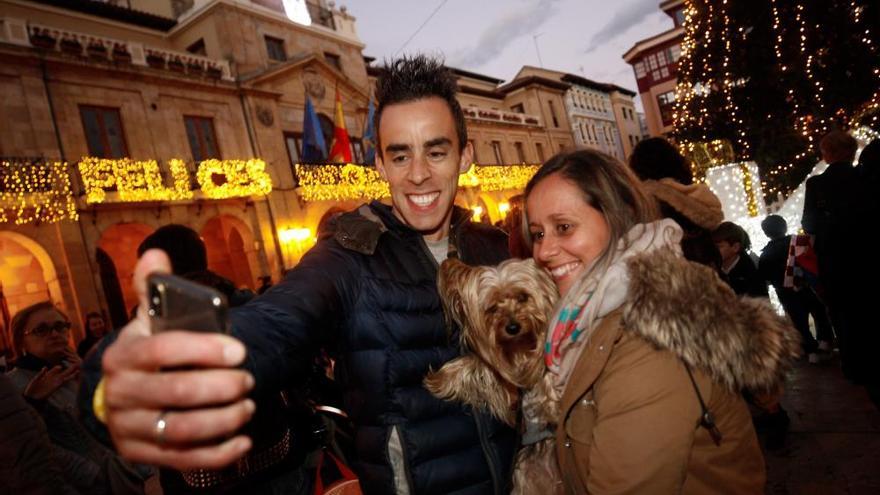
(36, 192)
(141, 180)
(134, 180)
(242, 178)
(343, 182)
(340, 182)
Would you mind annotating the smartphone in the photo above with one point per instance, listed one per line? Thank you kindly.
(180, 304)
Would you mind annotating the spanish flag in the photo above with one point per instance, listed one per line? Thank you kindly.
(340, 152)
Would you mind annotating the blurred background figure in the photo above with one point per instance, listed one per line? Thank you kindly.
(95, 329)
(737, 267)
(513, 225)
(833, 212)
(666, 175)
(800, 302)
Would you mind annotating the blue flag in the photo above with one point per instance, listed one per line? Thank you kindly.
(314, 150)
(370, 137)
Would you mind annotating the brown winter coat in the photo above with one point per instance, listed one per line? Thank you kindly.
(629, 413)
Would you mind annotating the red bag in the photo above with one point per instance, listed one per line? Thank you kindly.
(348, 485)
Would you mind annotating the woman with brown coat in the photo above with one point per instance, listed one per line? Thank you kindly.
(648, 352)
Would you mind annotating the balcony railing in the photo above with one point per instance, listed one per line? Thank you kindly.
(105, 49)
(490, 115)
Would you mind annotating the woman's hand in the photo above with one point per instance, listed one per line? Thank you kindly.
(47, 381)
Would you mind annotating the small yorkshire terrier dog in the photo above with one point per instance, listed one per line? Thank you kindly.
(502, 312)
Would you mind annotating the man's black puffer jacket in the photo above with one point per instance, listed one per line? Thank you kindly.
(368, 294)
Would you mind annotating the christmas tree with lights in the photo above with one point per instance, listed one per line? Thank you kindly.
(771, 78)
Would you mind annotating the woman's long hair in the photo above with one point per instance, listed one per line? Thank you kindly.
(608, 186)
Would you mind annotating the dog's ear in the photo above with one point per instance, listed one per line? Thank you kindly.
(450, 281)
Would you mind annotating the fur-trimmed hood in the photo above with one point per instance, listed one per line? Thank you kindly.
(696, 202)
(686, 308)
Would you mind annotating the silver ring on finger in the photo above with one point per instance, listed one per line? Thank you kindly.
(161, 425)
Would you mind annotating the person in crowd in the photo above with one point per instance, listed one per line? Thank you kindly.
(513, 225)
(869, 172)
(46, 373)
(799, 303)
(265, 283)
(737, 267)
(368, 295)
(45, 365)
(832, 213)
(647, 351)
(666, 176)
(28, 463)
(96, 328)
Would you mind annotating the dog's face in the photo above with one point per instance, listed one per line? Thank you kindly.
(502, 312)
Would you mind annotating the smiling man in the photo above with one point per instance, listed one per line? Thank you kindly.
(367, 294)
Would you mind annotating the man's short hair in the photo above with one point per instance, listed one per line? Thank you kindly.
(414, 78)
(774, 226)
(730, 233)
(184, 248)
(838, 146)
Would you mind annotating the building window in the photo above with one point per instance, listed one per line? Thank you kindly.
(679, 17)
(652, 61)
(661, 58)
(553, 113)
(655, 75)
(539, 148)
(674, 53)
(664, 72)
(665, 102)
(518, 108)
(197, 48)
(293, 141)
(333, 60)
(104, 136)
(520, 152)
(639, 68)
(474, 148)
(275, 49)
(496, 148)
(202, 140)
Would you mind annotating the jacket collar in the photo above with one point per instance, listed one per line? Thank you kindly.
(687, 309)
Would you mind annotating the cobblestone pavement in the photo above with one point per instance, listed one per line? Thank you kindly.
(833, 444)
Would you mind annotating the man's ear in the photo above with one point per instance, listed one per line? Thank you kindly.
(467, 158)
(380, 165)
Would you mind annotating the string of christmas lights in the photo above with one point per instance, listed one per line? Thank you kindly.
(240, 178)
(343, 182)
(35, 193)
(141, 180)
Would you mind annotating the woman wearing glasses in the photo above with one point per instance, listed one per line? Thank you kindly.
(46, 373)
(46, 367)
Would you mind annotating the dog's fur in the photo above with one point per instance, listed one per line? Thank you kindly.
(502, 313)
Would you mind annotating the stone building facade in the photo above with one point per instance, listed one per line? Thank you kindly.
(145, 83)
(601, 115)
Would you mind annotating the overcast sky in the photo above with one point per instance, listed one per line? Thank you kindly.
(495, 37)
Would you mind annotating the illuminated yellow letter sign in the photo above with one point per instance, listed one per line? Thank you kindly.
(142, 180)
(134, 180)
(236, 178)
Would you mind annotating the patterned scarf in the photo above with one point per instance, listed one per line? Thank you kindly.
(598, 293)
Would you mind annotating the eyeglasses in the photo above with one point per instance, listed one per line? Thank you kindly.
(45, 329)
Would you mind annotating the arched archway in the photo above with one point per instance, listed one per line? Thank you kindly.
(231, 251)
(27, 275)
(120, 242)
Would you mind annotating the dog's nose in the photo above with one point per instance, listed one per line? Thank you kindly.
(512, 328)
